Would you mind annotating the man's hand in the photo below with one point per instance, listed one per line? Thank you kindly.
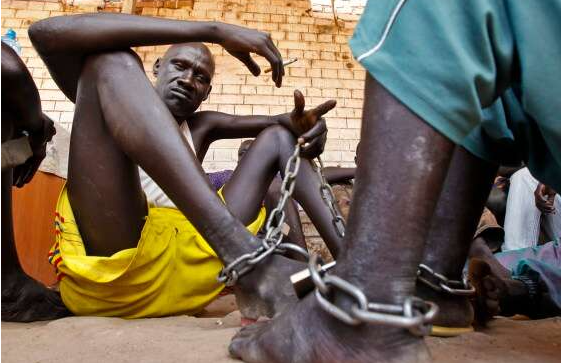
(545, 196)
(25, 172)
(309, 126)
(240, 42)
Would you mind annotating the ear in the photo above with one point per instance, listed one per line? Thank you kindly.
(208, 93)
(156, 67)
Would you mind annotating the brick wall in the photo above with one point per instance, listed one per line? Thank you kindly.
(325, 68)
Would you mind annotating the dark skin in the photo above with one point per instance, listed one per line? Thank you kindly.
(451, 232)
(391, 136)
(23, 298)
(498, 293)
(295, 233)
(129, 129)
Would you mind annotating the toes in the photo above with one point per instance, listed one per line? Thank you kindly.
(245, 344)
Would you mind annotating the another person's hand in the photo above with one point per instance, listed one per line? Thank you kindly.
(38, 142)
(309, 125)
(240, 42)
(545, 196)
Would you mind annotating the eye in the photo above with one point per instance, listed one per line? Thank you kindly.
(178, 66)
(202, 78)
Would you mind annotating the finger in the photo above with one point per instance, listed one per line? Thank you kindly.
(246, 59)
(21, 172)
(319, 128)
(324, 108)
(275, 61)
(314, 148)
(299, 103)
(31, 173)
(279, 56)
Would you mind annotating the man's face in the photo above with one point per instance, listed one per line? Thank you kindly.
(184, 77)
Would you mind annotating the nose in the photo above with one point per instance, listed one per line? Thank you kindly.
(186, 80)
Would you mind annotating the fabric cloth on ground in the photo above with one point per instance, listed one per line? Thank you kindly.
(523, 219)
(172, 270)
(544, 260)
(220, 178)
(483, 73)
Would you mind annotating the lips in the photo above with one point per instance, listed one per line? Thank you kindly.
(181, 93)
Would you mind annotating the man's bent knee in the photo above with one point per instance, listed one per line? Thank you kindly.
(113, 64)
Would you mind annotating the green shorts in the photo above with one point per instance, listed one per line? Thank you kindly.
(485, 73)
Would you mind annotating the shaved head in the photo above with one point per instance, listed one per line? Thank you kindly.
(201, 47)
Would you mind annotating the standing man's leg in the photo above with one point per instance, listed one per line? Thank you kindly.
(453, 225)
(401, 170)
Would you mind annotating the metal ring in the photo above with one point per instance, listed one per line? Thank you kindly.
(315, 275)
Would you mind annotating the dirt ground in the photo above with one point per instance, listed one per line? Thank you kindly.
(205, 339)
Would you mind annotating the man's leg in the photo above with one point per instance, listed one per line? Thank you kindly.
(401, 170)
(23, 298)
(245, 191)
(250, 182)
(453, 225)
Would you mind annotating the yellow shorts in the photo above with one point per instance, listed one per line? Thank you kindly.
(171, 271)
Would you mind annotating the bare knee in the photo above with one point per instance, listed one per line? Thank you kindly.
(279, 136)
(112, 65)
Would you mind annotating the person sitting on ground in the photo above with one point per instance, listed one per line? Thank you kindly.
(424, 138)
(117, 252)
(531, 208)
(526, 281)
(25, 133)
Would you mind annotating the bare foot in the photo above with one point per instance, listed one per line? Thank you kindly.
(266, 290)
(26, 300)
(495, 293)
(453, 311)
(306, 334)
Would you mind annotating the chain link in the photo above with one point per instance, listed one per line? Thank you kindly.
(272, 243)
(443, 284)
(414, 314)
(329, 198)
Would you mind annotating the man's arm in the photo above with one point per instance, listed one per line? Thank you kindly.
(19, 93)
(209, 126)
(63, 42)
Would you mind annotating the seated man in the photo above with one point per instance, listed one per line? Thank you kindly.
(431, 72)
(119, 254)
(25, 133)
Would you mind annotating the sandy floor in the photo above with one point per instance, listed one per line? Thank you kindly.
(188, 339)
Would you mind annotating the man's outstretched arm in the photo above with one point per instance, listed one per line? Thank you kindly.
(64, 41)
(306, 124)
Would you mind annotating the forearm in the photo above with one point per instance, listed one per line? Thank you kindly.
(91, 33)
(236, 127)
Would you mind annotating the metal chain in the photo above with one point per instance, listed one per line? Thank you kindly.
(272, 243)
(414, 314)
(329, 198)
(443, 284)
